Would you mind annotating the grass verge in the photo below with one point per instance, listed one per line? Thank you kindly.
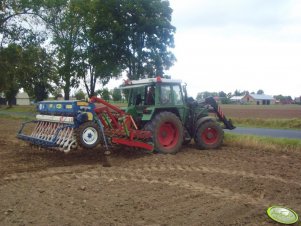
(17, 117)
(262, 143)
(29, 109)
(294, 123)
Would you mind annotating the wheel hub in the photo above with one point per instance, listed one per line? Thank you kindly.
(168, 135)
(210, 135)
(90, 135)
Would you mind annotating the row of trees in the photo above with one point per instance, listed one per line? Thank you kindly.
(225, 97)
(46, 43)
(222, 94)
(106, 94)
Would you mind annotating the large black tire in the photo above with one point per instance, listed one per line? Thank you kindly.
(209, 135)
(88, 135)
(167, 131)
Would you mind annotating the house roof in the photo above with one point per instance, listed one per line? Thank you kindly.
(23, 95)
(261, 97)
(236, 98)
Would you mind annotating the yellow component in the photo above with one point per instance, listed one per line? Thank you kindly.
(68, 106)
(58, 106)
(90, 116)
(81, 103)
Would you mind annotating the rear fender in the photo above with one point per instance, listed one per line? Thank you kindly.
(154, 111)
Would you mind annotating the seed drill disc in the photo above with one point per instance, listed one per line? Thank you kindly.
(282, 214)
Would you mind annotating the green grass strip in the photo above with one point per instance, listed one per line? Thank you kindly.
(16, 117)
(293, 123)
(262, 143)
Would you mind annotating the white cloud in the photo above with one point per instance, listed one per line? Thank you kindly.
(246, 45)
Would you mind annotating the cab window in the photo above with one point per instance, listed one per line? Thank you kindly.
(165, 94)
(177, 95)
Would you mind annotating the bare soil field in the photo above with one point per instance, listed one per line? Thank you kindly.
(230, 186)
(262, 111)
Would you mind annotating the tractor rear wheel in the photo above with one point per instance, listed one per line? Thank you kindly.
(88, 135)
(167, 132)
(209, 135)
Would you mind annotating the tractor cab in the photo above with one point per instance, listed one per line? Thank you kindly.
(150, 96)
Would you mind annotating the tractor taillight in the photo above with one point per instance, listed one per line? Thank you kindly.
(127, 82)
(159, 79)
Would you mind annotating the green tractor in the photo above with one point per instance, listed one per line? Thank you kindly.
(162, 107)
(159, 118)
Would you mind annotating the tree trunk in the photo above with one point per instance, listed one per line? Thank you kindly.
(67, 89)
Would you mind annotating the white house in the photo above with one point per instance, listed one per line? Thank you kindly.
(259, 99)
(22, 99)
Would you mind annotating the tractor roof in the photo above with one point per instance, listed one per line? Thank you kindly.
(147, 81)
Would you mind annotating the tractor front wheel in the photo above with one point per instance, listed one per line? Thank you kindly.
(167, 132)
(209, 135)
(88, 135)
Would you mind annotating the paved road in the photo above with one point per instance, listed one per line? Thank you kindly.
(282, 133)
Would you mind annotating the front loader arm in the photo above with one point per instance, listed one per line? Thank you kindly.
(217, 110)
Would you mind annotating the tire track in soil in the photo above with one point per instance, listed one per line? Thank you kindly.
(206, 169)
(125, 175)
(259, 159)
(152, 168)
(142, 174)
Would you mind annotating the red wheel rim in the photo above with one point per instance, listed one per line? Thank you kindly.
(168, 135)
(210, 135)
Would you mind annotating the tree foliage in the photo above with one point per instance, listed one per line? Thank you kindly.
(63, 20)
(11, 71)
(92, 40)
(30, 68)
(39, 73)
(80, 95)
(16, 18)
(116, 94)
(104, 94)
(260, 91)
(142, 33)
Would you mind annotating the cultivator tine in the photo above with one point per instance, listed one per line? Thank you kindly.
(53, 135)
(37, 130)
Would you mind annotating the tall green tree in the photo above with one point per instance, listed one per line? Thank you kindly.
(116, 94)
(39, 73)
(15, 16)
(104, 94)
(141, 33)
(11, 71)
(99, 59)
(64, 22)
(260, 91)
(30, 68)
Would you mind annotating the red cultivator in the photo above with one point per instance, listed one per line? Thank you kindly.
(120, 127)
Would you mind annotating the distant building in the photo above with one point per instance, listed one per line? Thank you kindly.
(259, 99)
(298, 100)
(237, 99)
(22, 99)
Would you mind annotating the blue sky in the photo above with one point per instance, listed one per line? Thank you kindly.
(235, 44)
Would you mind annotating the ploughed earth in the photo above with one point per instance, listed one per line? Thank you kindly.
(229, 186)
